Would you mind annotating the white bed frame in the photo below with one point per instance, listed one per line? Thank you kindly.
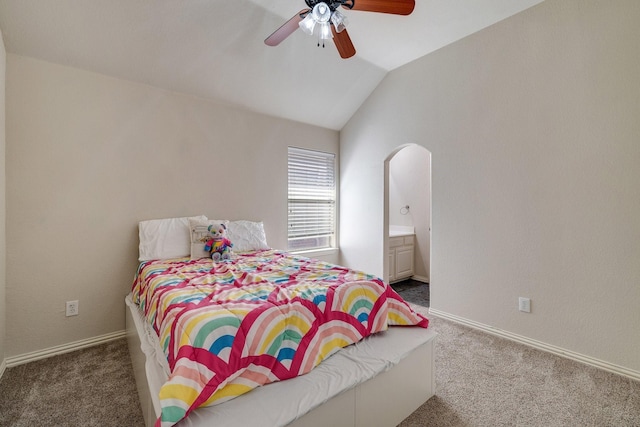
(383, 400)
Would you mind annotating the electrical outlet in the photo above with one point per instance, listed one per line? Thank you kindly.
(72, 308)
(524, 304)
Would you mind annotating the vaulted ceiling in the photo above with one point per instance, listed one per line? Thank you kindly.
(214, 49)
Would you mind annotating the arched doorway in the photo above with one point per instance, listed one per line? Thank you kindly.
(407, 214)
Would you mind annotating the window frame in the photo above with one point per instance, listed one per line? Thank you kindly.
(317, 162)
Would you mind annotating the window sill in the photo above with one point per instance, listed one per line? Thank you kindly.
(317, 252)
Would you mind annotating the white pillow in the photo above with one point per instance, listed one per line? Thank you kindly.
(198, 230)
(165, 238)
(247, 236)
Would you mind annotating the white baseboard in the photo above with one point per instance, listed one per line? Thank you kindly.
(3, 367)
(61, 349)
(422, 279)
(558, 351)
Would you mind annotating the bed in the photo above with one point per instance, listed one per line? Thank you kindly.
(268, 337)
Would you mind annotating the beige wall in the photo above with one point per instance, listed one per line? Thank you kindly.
(534, 133)
(3, 255)
(88, 156)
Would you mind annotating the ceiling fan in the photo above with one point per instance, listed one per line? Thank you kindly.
(331, 23)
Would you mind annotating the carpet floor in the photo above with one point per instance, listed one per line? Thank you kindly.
(484, 380)
(481, 380)
(85, 388)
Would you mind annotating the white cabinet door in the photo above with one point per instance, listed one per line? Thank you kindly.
(401, 249)
(404, 262)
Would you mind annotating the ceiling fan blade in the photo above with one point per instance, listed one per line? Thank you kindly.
(397, 7)
(343, 43)
(285, 30)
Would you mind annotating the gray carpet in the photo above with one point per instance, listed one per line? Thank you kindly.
(481, 380)
(484, 380)
(86, 388)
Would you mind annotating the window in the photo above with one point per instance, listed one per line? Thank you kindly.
(312, 200)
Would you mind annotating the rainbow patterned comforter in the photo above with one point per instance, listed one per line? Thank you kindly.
(261, 317)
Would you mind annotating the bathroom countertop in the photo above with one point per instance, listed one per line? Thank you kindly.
(399, 230)
(400, 233)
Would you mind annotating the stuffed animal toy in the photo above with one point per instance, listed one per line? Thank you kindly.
(217, 244)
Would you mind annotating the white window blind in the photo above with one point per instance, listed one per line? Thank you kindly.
(312, 199)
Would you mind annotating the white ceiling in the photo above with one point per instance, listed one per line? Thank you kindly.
(214, 49)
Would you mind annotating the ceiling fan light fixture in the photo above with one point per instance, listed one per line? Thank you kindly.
(339, 21)
(321, 12)
(307, 24)
(325, 31)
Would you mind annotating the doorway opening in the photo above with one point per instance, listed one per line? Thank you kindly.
(407, 222)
